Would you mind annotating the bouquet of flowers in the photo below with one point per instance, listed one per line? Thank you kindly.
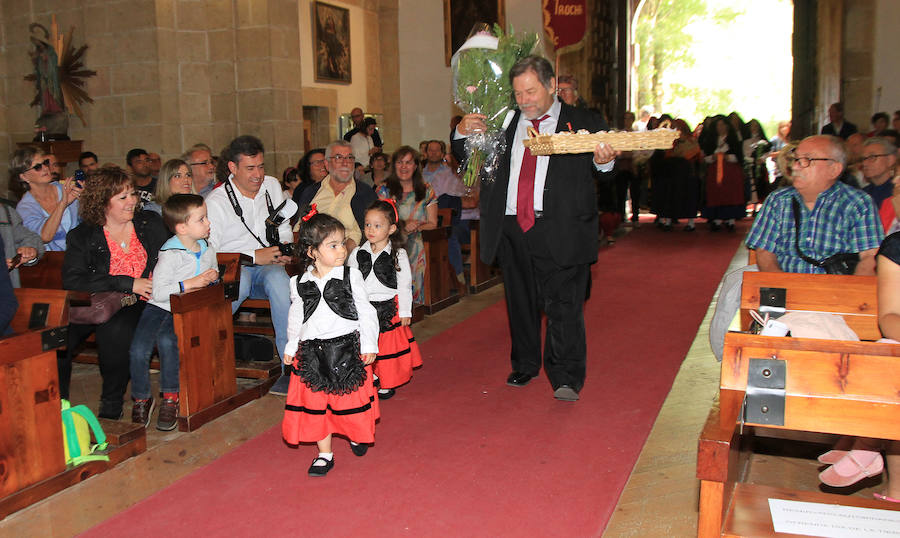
(481, 85)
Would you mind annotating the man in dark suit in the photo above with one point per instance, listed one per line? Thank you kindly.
(838, 127)
(539, 220)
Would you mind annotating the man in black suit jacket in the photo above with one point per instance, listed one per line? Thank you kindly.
(838, 127)
(544, 237)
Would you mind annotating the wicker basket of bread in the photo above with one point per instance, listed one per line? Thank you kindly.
(584, 141)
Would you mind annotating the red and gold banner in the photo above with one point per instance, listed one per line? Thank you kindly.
(565, 21)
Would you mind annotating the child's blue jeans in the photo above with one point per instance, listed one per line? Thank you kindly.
(154, 327)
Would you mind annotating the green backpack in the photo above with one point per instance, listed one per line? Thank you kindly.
(77, 424)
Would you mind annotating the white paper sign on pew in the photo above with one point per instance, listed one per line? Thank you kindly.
(833, 520)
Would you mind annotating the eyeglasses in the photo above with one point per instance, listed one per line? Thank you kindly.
(317, 162)
(804, 162)
(38, 166)
(202, 163)
(342, 158)
(564, 90)
(870, 158)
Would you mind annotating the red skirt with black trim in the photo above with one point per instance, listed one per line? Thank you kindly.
(311, 416)
(398, 354)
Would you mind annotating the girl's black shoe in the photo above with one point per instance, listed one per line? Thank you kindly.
(321, 470)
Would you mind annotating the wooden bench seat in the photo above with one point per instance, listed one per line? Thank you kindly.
(32, 461)
(833, 387)
(481, 275)
(207, 373)
(853, 297)
(440, 282)
(46, 273)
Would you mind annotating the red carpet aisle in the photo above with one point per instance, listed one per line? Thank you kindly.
(459, 453)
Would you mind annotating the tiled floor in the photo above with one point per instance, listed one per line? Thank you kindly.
(171, 455)
(660, 498)
(662, 495)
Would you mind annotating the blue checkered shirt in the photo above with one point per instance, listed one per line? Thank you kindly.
(844, 219)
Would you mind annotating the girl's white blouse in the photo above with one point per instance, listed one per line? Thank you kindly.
(324, 323)
(380, 292)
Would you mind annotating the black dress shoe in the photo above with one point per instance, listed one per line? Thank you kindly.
(386, 395)
(566, 393)
(359, 449)
(321, 470)
(518, 379)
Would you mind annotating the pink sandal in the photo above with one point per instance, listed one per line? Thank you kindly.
(881, 497)
(832, 456)
(849, 470)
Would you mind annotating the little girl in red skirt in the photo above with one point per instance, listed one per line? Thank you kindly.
(385, 268)
(332, 343)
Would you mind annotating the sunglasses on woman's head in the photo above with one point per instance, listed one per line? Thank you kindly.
(38, 166)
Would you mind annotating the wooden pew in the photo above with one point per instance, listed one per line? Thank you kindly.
(853, 297)
(32, 462)
(834, 387)
(481, 275)
(230, 264)
(207, 373)
(46, 273)
(440, 281)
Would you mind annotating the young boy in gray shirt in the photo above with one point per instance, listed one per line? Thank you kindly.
(186, 262)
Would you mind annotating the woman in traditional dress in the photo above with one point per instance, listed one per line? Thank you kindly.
(755, 149)
(724, 176)
(676, 185)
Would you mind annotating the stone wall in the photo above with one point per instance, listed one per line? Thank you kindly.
(170, 73)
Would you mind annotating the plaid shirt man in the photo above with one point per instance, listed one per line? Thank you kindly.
(844, 219)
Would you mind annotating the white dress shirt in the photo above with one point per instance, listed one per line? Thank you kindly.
(324, 323)
(517, 151)
(380, 292)
(227, 234)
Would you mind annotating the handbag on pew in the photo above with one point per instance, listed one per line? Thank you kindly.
(842, 263)
(77, 423)
(104, 305)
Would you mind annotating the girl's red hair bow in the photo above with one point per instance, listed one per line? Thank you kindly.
(394, 206)
(311, 214)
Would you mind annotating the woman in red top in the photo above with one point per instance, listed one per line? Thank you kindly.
(113, 249)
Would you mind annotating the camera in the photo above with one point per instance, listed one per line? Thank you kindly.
(79, 178)
(287, 249)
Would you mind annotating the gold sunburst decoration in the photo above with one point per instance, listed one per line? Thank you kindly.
(59, 74)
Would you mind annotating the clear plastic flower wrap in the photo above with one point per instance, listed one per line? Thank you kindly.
(481, 85)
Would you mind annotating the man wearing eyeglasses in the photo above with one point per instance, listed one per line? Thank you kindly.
(203, 169)
(339, 195)
(833, 217)
(879, 160)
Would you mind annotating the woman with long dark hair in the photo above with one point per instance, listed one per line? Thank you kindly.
(417, 206)
(755, 149)
(676, 185)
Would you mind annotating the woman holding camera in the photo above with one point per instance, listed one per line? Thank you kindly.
(111, 255)
(48, 208)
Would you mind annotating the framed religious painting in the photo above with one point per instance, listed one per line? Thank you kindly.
(461, 15)
(331, 43)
